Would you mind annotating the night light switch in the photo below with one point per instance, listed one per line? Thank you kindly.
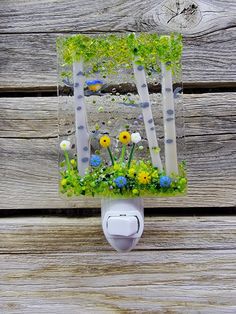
(122, 225)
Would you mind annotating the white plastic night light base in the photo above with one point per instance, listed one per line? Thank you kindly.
(122, 222)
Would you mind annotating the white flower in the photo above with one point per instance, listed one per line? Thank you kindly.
(65, 145)
(135, 137)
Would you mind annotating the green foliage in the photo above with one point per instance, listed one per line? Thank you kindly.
(108, 53)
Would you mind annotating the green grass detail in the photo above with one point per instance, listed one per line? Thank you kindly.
(99, 181)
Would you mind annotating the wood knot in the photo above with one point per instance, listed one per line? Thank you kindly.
(179, 15)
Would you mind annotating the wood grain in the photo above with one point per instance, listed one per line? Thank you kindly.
(157, 282)
(29, 61)
(61, 265)
(40, 235)
(28, 163)
(29, 176)
(181, 265)
(36, 117)
(138, 15)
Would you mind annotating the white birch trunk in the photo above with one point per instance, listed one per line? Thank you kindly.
(81, 124)
(171, 163)
(142, 88)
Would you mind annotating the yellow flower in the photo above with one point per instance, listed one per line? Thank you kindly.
(143, 177)
(131, 172)
(105, 141)
(124, 137)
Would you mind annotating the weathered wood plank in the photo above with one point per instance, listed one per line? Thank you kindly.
(138, 15)
(75, 235)
(137, 282)
(29, 61)
(36, 117)
(28, 160)
(29, 175)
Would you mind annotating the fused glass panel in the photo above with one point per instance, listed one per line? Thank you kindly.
(120, 116)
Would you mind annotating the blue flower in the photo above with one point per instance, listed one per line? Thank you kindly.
(95, 160)
(120, 181)
(165, 181)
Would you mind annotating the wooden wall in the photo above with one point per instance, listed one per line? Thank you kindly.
(28, 103)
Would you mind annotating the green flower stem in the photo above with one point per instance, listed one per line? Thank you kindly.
(67, 160)
(131, 155)
(110, 154)
(123, 153)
